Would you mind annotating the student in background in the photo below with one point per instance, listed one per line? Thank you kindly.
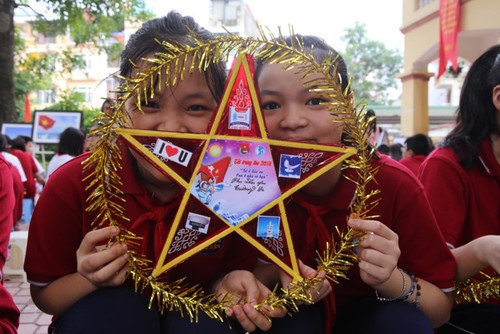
(9, 313)
(383, 149)
(416, 149)
(108, 106)
(462, 181)
(70, 145)
(40, 177)
(396, 151)
(18, 148)
(17, 178)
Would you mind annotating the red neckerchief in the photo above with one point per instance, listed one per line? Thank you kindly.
(155, 216)
(317, 233)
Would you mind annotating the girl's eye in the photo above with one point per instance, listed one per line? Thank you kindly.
(198, 107)
(150, 106)
(315, 101)
(270, 106)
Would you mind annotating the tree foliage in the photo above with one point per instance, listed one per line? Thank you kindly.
(91, 23)
(373, 67)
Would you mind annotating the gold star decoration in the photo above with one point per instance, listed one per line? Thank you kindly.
(254, 186)
(235, 161)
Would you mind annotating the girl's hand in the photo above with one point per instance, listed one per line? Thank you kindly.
(247, 288)
(378, 251)
(102, 266)
(319, 291)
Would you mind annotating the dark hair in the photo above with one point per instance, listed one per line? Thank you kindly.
(172, 27)
(19, 143)
(4, 143)
(396, 151)
(420, 144)
(383, 148)
(27, 139)
(319, 49)
(476, 113)
(110, 102)
(370, 113)
(71, 142)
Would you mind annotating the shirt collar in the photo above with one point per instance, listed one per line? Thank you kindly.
(488, 159)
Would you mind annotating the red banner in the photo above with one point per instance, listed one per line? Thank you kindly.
(449, 24)
(27, 109)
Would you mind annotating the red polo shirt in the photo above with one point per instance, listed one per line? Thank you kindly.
(29, 167)
(7, 206)
(466, 203)
(413, 163)
(402, 206)
(9, 313)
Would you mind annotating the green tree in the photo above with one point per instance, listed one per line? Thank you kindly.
(89, 21)
(372, 66)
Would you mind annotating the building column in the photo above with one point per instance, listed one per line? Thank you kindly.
(415, 103)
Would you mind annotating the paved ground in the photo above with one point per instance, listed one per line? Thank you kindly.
(33, 321)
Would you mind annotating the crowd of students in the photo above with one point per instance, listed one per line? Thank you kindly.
(437, 214)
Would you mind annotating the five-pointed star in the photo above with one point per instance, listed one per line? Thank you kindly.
(260, 186)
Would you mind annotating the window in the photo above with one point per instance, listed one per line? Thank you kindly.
(85, 91)
(423, 3)
(46, 96)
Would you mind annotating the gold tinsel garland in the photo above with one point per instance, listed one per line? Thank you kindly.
(105, 198)
(478, 290)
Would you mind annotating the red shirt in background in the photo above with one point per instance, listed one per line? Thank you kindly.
(413, 163)
(30, 169)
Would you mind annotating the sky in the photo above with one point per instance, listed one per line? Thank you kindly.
(326, 18)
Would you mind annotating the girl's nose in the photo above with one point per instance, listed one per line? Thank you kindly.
(172, 124)
(294, 117)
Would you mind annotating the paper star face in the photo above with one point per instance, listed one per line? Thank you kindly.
(235, 179)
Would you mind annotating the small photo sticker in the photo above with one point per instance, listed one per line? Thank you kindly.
(268, 226)
(240, 118)
(290, 166)
(197, 222)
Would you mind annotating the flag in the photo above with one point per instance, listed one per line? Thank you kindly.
(217, 170)
(119, 36)
(449, 24)
(46, 122)
(27, 109)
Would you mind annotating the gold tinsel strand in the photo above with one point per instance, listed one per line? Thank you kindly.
(478, 290)
(103, 164)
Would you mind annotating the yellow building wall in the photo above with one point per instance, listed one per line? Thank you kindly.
(479, 29)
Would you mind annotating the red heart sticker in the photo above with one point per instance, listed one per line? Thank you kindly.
(171, 151)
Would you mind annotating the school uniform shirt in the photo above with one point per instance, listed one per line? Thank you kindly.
(466, 203)
(60, 222)
(16, 163)
(18, 193)
(402, 206)
(9, 313)
(413, 163)
(57, 161)
(30, 169)
(7, 206)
